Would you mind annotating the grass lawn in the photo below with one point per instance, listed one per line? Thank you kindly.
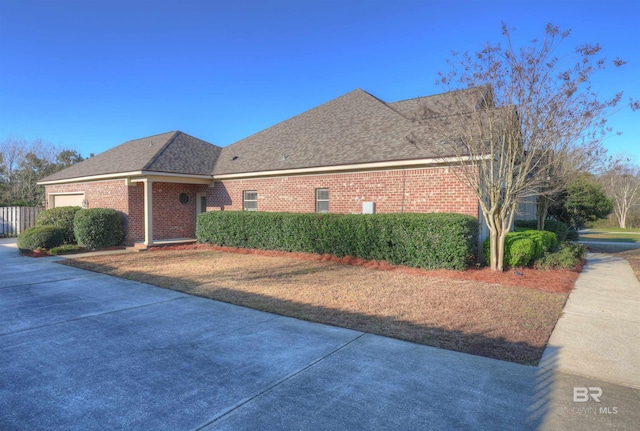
(616, 229)
(606, 236)
(442, 308)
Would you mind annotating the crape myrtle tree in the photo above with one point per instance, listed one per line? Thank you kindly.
(622, 185)
(537, 117)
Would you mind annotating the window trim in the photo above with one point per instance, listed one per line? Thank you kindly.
(245, 200)
(318, 200)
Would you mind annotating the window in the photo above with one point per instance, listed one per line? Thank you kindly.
(184, 198)
(322, 200)
(250, 200)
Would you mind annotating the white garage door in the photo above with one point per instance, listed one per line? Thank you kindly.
(74, 200)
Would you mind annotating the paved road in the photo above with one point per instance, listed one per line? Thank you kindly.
(85, 351)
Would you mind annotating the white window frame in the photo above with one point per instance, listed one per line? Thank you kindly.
(318, 200)
(245, 200)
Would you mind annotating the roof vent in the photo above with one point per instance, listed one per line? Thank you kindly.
(233, 158)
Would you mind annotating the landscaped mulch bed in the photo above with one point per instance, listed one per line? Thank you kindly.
(503, 316)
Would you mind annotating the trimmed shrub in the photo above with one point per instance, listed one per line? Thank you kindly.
(568, 256)
(523, 246)
(40, 237)
(62, 218)
(557, 227)
(572, 235)
(519, 250)
(65, 249)
(430, 241)
(96, 228)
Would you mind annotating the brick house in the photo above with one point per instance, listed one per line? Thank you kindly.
(350, 154)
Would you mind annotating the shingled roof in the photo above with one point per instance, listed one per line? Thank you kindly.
(352, 129)
(172, 152)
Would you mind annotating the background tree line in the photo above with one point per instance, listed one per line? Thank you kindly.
(23, 163)
(614, 193)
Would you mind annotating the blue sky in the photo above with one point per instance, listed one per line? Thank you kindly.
(91, 74)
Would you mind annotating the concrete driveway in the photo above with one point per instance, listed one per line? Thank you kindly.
(85, 351)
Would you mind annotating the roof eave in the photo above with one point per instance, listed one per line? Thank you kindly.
(126, 175)
(398, 164)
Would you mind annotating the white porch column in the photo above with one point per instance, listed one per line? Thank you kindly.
(148, 211)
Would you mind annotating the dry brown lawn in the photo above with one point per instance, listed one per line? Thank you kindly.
(477, 317)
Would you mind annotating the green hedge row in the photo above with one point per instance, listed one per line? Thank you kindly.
(523, 247)
(430, 241)
(62, 218)
(560, 229)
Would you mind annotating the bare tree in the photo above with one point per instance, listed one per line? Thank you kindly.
(23, 163)
(12, 151)
(622, 185)
(534, 114)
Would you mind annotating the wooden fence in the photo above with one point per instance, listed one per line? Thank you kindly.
(14, 220)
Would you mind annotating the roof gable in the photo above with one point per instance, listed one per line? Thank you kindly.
(172, 152)
(345, 130)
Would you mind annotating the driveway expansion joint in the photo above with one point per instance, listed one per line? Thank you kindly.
(276, 384)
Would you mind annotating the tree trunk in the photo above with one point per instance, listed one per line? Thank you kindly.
(493, 251)
(501, 238)
(542, 209)
(496, 241)
(623, 221)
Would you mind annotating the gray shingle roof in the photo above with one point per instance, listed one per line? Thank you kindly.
(173, 152)
(444, 104)
(352, 129)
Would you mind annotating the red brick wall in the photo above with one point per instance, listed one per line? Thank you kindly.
(414, 190)
(171, 219)
(110, 194)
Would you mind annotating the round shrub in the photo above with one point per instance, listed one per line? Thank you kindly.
(523, 246)
(519, 251)
(62, 218)
(40, 237)
(96, 228)
(555, 226)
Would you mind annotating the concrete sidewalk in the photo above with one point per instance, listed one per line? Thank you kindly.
(84, 351)
(598, 334)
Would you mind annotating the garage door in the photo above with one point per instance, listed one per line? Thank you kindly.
(74, 200)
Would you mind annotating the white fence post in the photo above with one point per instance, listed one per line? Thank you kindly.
(15, 220)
